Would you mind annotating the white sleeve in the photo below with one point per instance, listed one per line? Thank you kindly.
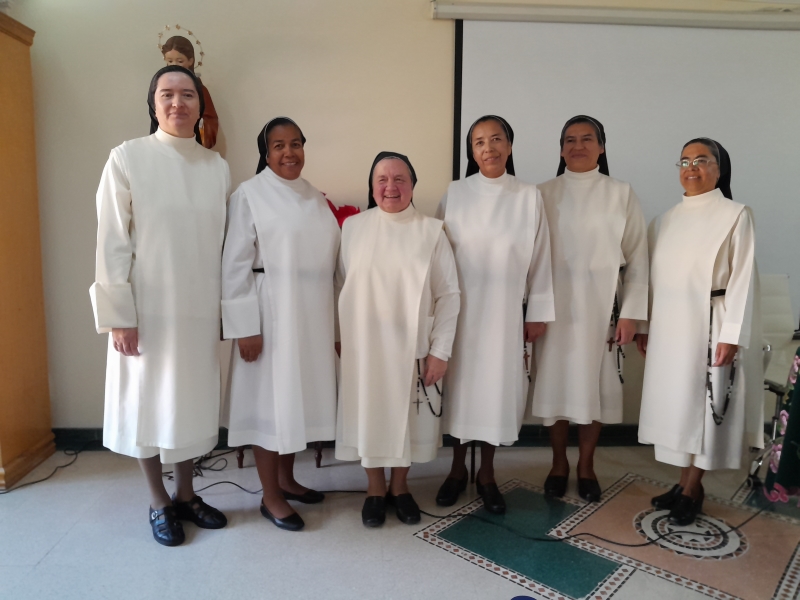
(241, 315)
(441, 210)
(111, 292)
(446, 299)
(739, 292)
(635, 276)
(541, 304)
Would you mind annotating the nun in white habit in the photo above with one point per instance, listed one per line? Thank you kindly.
(598, 242)
(161, 222)
(278, 271)
(398, 310)
(702, 397)
(498, 230)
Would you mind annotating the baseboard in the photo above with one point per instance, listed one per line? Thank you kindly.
(529, 436)
(26, 462)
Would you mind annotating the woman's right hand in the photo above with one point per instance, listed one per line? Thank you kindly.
(250, 347)
(126, 340)
(641, 343)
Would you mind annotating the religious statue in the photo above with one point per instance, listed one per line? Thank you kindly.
(178, 50)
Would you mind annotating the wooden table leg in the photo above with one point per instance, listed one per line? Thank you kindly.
(240, 456)
(318, 453)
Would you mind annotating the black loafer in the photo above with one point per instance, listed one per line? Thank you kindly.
(555, 486)
(685, 510)
(373, 514)
(167, 529)
(667, 501)
(492, 498)
(199, 513)
(405, 506)
(307, 497)
(291, 523)
(589, 489)
(450, 491)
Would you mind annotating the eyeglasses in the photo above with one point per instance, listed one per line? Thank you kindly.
(697, 162)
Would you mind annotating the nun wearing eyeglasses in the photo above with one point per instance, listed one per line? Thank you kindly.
(598, 241)
(278, 270)
(702, 398)
(398, 310)
(498, 229)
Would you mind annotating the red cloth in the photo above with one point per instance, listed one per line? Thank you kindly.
(342, 212)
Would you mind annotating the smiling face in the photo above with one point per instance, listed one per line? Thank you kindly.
(173, 57)
(177, 104)
(285, 154)
(581, 149)
(490, 148)
(699, 179)
(392, 186)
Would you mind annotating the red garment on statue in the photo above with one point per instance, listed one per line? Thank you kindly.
(342, 212)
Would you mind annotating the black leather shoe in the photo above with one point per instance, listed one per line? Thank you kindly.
(291, 523)
(667, 501)
(589, 489)
(308, 497)
(450, 491)
(492, 498)
(373, 514)
(685, 510)
(167, 529)
(555, 486)
(199, 513)
(405, 506)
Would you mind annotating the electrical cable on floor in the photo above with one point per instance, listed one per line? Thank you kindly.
(68, 452)
(199, 468)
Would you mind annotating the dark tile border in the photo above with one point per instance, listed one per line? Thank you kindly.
(530, 436)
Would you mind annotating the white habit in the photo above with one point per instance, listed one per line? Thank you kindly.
(398, 304)
(287, 397)
(498, 230)
(161, 223)
(703, 244)
(596, 228)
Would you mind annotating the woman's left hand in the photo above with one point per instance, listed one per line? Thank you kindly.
(435, 368)
(725, 354)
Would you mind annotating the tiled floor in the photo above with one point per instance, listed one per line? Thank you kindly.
(84, 534)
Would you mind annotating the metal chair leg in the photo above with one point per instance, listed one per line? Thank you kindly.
(318, 453)
(472, 461)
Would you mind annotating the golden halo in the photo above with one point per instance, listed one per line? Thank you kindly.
(185, 32)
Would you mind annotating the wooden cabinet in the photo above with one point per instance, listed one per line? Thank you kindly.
(26, 437)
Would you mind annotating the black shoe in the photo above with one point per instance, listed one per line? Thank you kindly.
(667, 501)
(199, 513)
(307, 497)
(555, 486)
(291, 523)
(685, 510)
(451, 489)
(492, 498)
(405, 506)
(167, 529)
(589, 489)
(373, 514)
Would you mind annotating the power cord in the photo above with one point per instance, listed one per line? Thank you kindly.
(68, 452)
(200, 467)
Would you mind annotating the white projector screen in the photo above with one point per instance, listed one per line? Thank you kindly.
(653, 88)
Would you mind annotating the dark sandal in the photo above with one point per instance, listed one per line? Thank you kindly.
(167, 529)
(199, 513)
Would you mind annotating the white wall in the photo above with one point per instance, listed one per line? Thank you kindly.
(359, 76)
